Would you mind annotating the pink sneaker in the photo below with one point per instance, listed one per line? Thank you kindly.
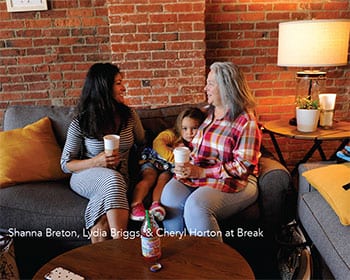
(137, 212)
(157, 211)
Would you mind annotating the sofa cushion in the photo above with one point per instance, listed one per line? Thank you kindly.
(29, 154)
(329, 181)
(329, 236)
(17, 116)
(41, 207)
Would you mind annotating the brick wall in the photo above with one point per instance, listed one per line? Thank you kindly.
(246, 32)
(163, 47)
(45, 55)
(160, 44)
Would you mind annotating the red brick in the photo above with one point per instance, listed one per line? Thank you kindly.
(162, 18)
(285, 6)
(337, 5)
(178, 8)
(191, 17)
(154, 8)
(71, 22)
(165, 37)
(38, 23)
(261, 7)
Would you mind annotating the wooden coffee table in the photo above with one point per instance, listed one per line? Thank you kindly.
(187, 258)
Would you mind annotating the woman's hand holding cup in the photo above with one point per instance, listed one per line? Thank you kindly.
(183, 168)
(181, 158)
(111, 147)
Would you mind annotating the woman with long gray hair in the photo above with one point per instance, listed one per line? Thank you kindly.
(220, 179)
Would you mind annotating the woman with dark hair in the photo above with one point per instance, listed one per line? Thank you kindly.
(220, 179)
(102, 178)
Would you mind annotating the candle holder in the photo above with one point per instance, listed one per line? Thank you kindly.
(327, 105)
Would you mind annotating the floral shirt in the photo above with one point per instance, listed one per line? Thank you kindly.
(228, 150)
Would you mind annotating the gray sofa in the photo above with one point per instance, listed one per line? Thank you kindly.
(40, 206)
(323, 227)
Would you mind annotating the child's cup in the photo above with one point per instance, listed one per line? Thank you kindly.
(181, 154)
(111, 143)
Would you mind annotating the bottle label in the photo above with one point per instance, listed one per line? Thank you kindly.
(150, 246)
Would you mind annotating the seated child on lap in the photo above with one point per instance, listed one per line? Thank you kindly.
(153, 175)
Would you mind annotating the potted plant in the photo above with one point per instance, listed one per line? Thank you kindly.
(307, 113)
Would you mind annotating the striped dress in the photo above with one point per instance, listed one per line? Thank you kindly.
(104, 187)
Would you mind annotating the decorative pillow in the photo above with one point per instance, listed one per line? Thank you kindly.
(29, 154)
(329, 181)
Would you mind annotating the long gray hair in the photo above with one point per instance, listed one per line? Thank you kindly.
(233, 87)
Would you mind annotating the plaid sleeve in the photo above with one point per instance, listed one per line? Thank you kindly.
(246, 156)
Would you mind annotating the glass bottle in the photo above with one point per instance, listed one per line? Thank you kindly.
(150, 240)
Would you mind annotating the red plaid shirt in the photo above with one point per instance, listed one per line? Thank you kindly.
(229, 152)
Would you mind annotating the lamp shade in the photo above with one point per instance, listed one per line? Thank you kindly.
(313, 43)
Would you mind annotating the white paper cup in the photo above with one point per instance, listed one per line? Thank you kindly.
(326, 118)
(327, 104)
(327, 101)
(181, 154)
(111, 143)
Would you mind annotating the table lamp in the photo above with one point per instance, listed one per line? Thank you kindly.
(313, 44)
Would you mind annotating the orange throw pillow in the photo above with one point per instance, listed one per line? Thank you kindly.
(30, 154)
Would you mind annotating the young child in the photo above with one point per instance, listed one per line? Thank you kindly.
(181, 134)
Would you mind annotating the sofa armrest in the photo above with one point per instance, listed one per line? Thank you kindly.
(273, 182)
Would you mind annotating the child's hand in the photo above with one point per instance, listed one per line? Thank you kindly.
(180, 144)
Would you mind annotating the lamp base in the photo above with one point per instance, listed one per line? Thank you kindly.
(310, 83)
(311, 75)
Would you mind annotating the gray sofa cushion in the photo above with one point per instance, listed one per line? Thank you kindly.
(42, 207)
(19, 116)
(329, 236)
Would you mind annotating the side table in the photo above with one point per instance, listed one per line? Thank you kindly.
(340, 131)
(186, 258)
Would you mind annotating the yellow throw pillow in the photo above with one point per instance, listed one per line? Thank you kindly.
(29, 154)
(329, 181)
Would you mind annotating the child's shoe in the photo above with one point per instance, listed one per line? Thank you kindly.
(347, 148)
(344, 154)
(137, 212)
(157, 211)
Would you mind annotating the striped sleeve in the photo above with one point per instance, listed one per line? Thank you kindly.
(72, 147)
